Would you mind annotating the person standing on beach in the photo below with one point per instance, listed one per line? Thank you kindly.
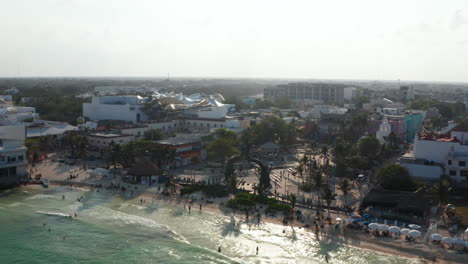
(219, 249)
(200, 206)
(257, 250)
(189, 208)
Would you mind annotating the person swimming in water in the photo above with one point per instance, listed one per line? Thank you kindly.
(219, 249)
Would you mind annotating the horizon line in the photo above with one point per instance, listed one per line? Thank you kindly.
(231, 78)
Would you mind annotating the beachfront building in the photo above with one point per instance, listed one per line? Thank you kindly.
(433, 155)
(409, 207)
(13, 160)
(143, 172)
(303, 92)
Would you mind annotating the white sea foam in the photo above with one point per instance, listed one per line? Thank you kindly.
(40, 196)
(104, 213)
(16, 204)
(53, 214)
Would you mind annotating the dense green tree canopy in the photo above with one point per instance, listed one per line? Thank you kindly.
(153, 134)
(226, 134)
(222, 148)
(271, 129)
(448, 111)
(368, 146)
(396, 178)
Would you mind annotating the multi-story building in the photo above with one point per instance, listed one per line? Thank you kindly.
(13, 161)
(125, 108)
(304, 92)
(433, 155)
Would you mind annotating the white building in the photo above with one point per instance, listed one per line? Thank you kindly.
(125, 108)
(13, 160)
(384, 130)
(448, 153)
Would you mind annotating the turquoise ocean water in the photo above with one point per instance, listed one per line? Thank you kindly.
(109, 229)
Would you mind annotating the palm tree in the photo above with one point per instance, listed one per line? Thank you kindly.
(300, 170)
(114, 155)
(328, 196)
(324, 152)
(292, 198)
(442, 189)
(317, 183)
(345, 186)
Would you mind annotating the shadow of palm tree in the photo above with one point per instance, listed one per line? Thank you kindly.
(325, 248)
(230, 228)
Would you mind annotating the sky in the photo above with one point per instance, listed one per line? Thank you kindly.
(424, 40)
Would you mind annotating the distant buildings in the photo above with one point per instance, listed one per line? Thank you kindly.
(305, 92)
(349, 93)
(133, 108)
(407, 93)
(13, 160)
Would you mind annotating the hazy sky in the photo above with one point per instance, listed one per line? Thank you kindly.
(351, 39)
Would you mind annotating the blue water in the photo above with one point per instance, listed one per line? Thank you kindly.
(110, 229)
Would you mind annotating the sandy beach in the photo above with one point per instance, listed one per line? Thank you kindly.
(58, 174)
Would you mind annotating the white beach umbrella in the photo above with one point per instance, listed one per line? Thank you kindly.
(415, 233)
(394, 229)
(404, 231)
(437, 237)
(373, 226)
(383, 227)
(338, 219)
(414, 226)
(459, 241)
(447, 240)
(466, 231)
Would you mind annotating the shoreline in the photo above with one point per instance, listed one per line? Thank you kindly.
(420, 251)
